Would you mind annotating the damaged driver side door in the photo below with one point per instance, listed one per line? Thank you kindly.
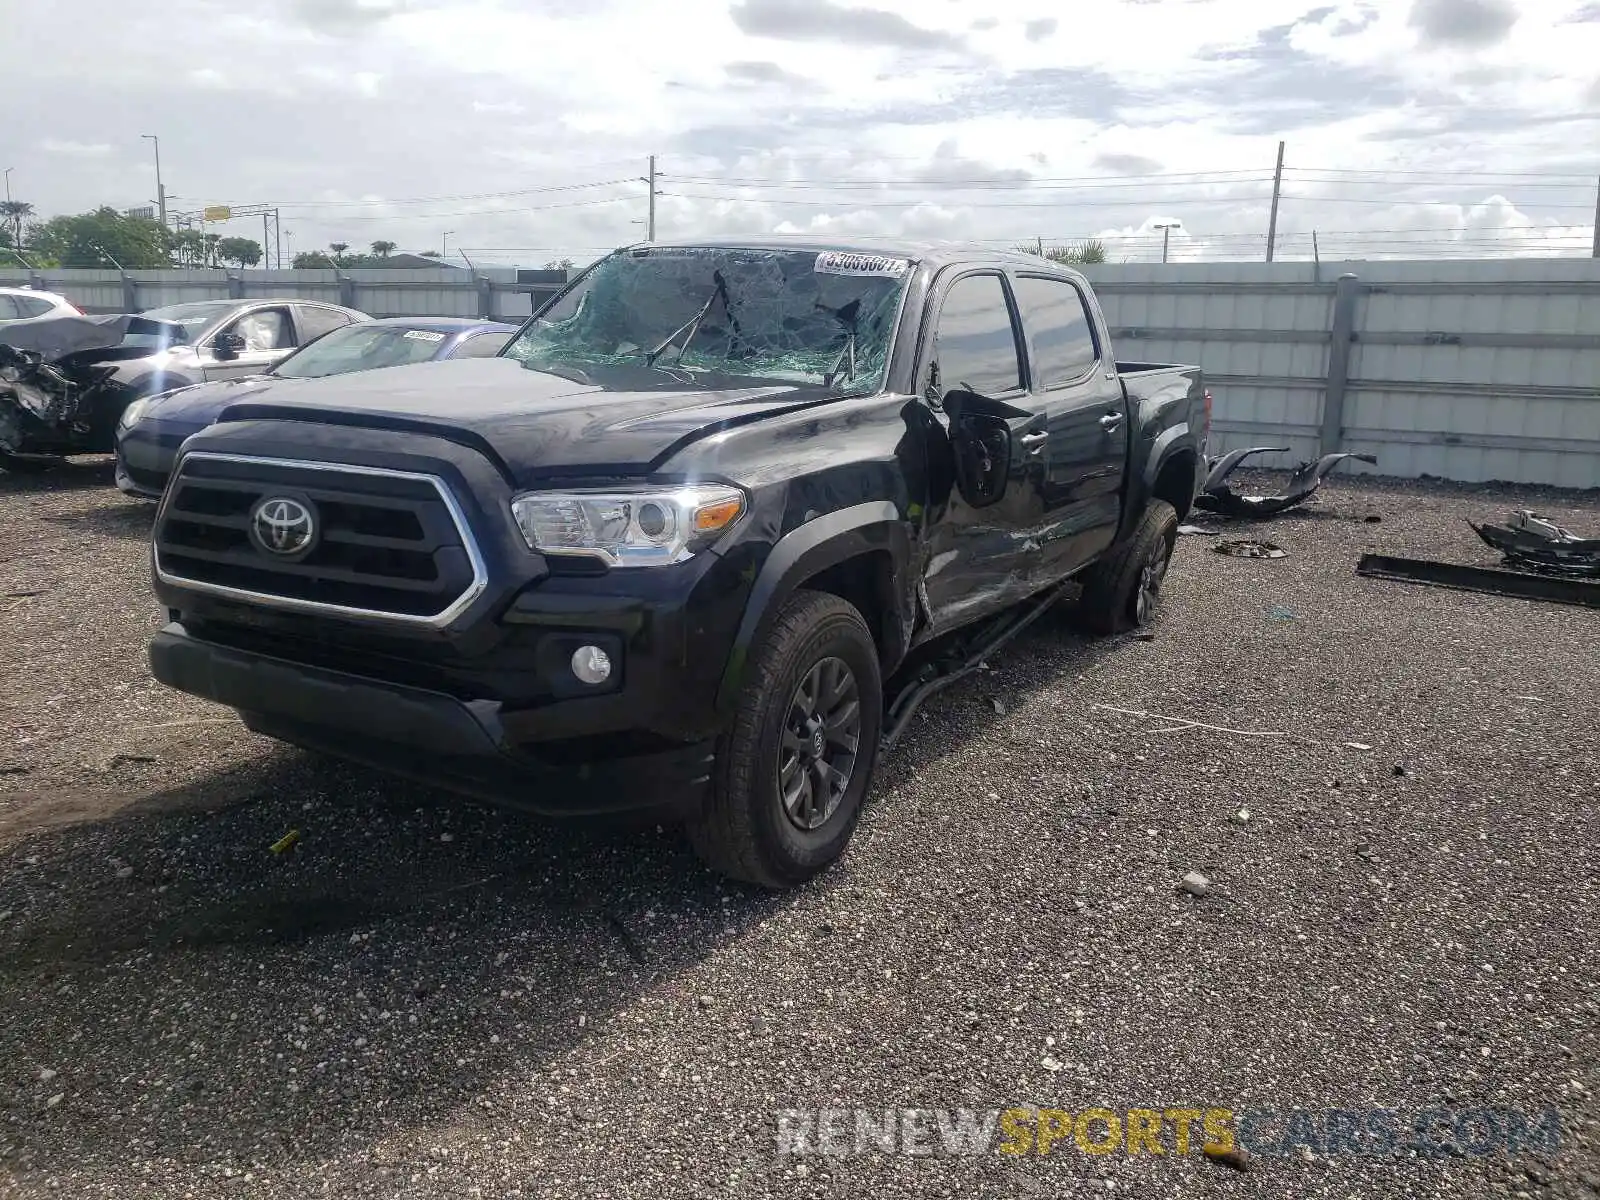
(987, 456)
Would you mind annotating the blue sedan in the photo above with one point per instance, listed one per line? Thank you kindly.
(151, 430)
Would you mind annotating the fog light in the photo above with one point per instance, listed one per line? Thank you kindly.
(591, 664)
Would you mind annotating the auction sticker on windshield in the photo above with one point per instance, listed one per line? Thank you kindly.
(837, 262)
(424, 335)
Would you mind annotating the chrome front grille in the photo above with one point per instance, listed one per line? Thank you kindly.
(381, 543)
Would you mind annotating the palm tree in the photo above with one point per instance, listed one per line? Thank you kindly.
(384, 249)
(338, 249)
(15, 211)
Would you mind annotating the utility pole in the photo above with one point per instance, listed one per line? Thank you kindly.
(1595, 252)
(650, 223)
(1277, 190)
(161, 188)
(1039, 245)
(1166, 228)
(277, 237)
(8, 183)
(444, 245)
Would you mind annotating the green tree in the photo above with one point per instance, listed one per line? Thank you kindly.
(100, 239)
(430, 254)
(243, 252)
(384, 249)
(188, 248)
(1090, 251)
(338, 249)
(14, 212)
(559, 264)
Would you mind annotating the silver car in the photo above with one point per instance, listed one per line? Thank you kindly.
(65, 382)
(227, 339)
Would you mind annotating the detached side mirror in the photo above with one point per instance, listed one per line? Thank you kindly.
(227, 346)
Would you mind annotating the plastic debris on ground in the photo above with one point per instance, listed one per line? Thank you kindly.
(1530, 542)
(1216, 496)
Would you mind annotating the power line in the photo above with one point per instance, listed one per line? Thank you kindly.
(1580, 179)
(565, 187)
(470, 212)
(915, 202)
(1421, 203)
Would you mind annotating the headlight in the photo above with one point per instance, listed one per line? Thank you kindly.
(628, 529)
(131, 414)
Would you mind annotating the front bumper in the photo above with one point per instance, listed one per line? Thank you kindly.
(147, 452)
(475, 747)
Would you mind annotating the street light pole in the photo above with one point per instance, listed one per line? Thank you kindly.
(161, 188)
(8, 183)
(444, 244)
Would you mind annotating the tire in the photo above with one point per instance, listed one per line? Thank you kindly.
(747, 830)
(1120, 592)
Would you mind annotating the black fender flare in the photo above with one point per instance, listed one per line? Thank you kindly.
(802, 553)
(1174, 440)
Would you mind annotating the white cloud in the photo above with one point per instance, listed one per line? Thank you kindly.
(75, 149)
(874, 117)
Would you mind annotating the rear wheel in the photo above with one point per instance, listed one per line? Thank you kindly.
(794, 767)
(1121, 592)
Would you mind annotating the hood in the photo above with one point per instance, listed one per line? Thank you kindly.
(595, 420)
(78, 340)
(201, 402)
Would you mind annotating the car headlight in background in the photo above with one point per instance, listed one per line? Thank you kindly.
(627, 528)
(134, 411)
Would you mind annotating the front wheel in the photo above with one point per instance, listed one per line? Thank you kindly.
(1121, 592)
(794, 767)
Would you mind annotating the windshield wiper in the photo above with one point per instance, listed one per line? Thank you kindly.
(692, 326)
(847, 315)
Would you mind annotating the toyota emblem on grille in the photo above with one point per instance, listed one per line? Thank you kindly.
(283, 526)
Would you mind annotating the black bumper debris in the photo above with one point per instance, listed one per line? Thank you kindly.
(1533, 543)
(1216, 496)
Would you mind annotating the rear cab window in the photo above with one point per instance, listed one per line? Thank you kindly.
(1060, 330)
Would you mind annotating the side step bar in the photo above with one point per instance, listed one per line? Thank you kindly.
(936, 676)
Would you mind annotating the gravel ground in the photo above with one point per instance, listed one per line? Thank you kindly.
(428, 998)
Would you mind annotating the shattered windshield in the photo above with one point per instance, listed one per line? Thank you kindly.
(802, 316)
(361, 348)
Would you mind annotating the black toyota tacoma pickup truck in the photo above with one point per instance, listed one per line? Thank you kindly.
(699, 539)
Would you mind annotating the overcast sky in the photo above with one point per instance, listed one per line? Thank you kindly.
(404, 119)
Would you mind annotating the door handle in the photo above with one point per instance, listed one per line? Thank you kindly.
(1034, 442)
(1111, 421)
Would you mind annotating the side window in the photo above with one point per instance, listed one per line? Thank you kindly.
(977, 342)
(1057, 318)
(484, 345)
(268, 329)
(314, 322)
(32, 306)
(8, 309)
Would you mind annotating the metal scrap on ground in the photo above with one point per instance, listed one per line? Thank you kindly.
(1532, 543)
(1251, 549)
(1559, 589)
(1216, 496)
